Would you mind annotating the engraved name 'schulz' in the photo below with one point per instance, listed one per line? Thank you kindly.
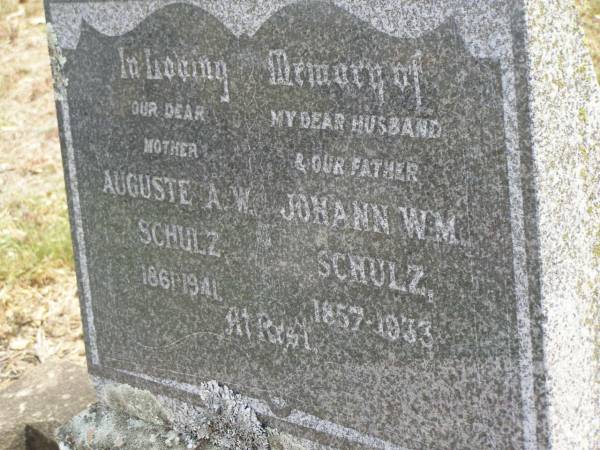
(136, 64)
(376, 272)
(174, 236)
(363, 74)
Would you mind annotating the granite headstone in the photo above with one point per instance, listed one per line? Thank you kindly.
(367, 219)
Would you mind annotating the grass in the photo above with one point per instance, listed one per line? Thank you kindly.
(39, 315)
(34, 239)
(34, 232)
(39, 312)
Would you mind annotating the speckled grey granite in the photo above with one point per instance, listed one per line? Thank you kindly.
(564, 104)
(389, 210)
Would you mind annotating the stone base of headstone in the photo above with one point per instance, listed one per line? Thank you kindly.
(135, 419)
(100, 427)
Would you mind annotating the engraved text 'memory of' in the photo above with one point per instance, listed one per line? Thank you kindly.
(364, 74)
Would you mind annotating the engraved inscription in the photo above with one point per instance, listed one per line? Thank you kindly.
(364, 74)
(318, 212)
